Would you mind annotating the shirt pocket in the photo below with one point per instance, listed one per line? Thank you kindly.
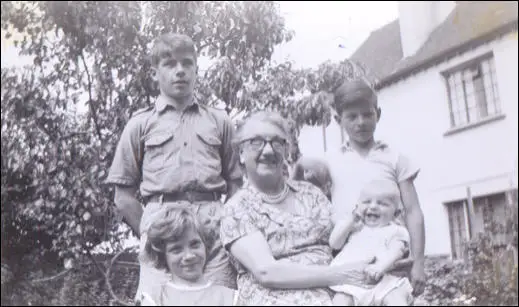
(155, 151)
(210, 145)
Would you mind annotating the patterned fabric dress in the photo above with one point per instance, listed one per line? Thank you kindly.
(300, 237)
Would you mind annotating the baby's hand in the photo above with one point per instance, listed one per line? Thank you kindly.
(358, 212)
(358, 217)
(374, 273)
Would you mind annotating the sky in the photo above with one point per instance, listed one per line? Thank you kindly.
(320, 27)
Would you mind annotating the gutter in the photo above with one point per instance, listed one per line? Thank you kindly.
(448, 53)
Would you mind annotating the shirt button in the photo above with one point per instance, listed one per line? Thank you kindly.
(185, 143)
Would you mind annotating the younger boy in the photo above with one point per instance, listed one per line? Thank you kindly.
(362, 160)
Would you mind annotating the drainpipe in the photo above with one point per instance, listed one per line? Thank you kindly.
(470, 213)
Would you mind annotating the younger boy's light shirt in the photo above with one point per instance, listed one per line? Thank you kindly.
(350, 172)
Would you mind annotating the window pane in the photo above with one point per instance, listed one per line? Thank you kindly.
(492, 65)
(463, 118)
(496, 98)
(486, 67)
(470, 101)
(480, 97)
(457, 79)
(457, 228)
(451, 83)
(456, 118)
(489, 93)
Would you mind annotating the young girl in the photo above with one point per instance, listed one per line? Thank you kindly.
(373, 235)
(178, 243)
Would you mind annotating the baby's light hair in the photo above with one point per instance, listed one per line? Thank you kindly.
(382, 189)
(169, 226)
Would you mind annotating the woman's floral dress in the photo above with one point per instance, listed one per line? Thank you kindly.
(300, 238)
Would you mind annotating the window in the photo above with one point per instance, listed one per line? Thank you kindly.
(472, 90)
(457, 228)
(489, 210)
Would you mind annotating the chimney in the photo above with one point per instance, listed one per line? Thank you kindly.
(417, 21)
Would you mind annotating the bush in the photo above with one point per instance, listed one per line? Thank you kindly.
(487, 276)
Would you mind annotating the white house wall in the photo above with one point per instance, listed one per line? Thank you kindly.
(415, 116)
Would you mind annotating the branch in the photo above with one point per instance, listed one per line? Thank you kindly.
(51, 278)
(73, 134)
(18, 189)
(128, 263)
(107, 277)
(95, 263)
(210, 43)
(202, 47)
(91, 106)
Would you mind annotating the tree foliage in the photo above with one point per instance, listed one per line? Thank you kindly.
(93, 55)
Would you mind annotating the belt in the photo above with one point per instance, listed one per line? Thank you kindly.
(191, 196)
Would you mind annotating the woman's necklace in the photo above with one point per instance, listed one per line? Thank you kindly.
(276, 199)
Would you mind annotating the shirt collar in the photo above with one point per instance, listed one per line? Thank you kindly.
(379, 145)
(162, 104)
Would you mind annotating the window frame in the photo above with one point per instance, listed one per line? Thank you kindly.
(475, 63)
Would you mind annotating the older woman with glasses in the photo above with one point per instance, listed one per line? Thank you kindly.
(276, 230)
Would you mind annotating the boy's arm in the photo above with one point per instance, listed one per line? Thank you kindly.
(406, 173)
(415, 224)
(231, 171)
(125, 173)
(129, 207)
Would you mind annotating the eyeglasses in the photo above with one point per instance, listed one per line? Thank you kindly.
(258, 143)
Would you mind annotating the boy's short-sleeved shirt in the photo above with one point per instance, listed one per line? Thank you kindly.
(162, 150)
(351, 171)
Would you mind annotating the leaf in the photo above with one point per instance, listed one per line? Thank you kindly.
(87, 216)
(197, 29)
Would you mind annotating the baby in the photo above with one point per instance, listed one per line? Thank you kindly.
(178, 243)
(373, 234)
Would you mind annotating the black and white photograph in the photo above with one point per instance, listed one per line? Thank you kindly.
(259, 153)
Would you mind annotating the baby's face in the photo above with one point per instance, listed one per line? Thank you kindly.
(377, 210)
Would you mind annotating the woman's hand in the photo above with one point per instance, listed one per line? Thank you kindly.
(352, 273)
(374, 273)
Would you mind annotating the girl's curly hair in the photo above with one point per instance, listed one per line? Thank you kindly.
(169, 226)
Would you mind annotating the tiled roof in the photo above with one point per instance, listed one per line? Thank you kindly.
(470, 24)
